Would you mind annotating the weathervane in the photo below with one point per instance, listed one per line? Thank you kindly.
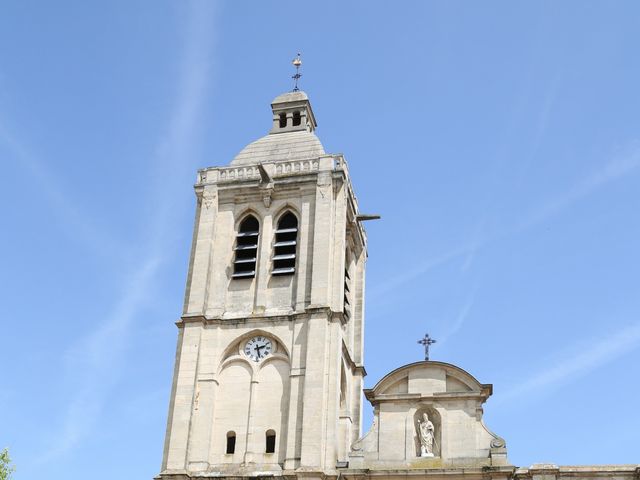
(297, 62)
(426, 341)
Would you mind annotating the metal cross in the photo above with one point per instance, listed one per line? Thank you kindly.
(297, 62)
(426, 341)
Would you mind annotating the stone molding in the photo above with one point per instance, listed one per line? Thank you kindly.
(216, 175)
(586, 472)
(332, 315)
(481, 391)
(550, 471)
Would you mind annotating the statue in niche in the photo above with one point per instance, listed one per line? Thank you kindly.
(426, 432)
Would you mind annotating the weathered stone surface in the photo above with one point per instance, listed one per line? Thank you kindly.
(307, 391)
(297, 145)
(451, 398)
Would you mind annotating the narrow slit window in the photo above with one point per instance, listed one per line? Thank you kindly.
(285, 246)
(231, 442)
(270, 438)
(283, 120)
(246, 248)
(347, 286)
(296, 119)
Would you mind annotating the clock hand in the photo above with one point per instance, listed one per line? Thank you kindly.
(258, 347)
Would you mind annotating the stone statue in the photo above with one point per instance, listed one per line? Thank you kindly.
(427, 435)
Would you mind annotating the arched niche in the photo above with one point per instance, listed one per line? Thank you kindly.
(270, 407)
(230, 411)
(233, 350)
(435, 418)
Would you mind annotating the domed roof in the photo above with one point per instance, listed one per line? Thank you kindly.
(299, 145)
(291, 137)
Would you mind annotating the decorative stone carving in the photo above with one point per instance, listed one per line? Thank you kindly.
(266, 185)
(428, 417)
(498, 443)
(208, 198)
(426, 433)
(266, 197)
(367, 443)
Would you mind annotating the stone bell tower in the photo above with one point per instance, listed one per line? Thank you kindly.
(269, 364)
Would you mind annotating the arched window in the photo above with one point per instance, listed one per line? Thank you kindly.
(284, 254)
(270, 438)
(296, 119)
(246, 249)
(283, 120)
(231, 442)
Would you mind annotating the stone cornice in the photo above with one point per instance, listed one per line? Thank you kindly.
(451, 472)
(283, 317)
(412, 397)
(577, 471)
(476, 388)
(467, 473)
(186, 475)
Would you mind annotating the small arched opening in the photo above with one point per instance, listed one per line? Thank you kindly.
(270, 441)
(231, 443)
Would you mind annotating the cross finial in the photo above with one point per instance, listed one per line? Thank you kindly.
(427, 341)
(297, 62)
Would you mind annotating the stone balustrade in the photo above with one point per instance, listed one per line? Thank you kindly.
(277, 169)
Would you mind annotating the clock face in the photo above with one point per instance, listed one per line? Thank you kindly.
(258, 348)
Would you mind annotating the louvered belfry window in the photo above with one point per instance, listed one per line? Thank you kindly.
(284, 254)
(246, 248)
(347, 286)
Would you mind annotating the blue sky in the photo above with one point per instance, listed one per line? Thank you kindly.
(500, 142)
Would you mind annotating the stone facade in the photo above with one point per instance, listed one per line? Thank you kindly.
(452, 400)
(307, 392)
(269, 368)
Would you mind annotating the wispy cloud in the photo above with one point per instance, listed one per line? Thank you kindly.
(542, 121)
(591, 354)
(622, 164)
(77, 223)
(476, 243)
(420, 269)
(97, 360)
(102, 353)
(625, 163)
(455, 326)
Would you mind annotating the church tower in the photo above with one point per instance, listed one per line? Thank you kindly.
(269, 364)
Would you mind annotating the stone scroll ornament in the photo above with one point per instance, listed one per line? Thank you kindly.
(426, 432)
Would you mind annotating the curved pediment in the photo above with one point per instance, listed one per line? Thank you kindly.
(428, 415)
(426, 379)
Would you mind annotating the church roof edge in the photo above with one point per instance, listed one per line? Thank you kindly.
(392, 376)
(290, 97)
